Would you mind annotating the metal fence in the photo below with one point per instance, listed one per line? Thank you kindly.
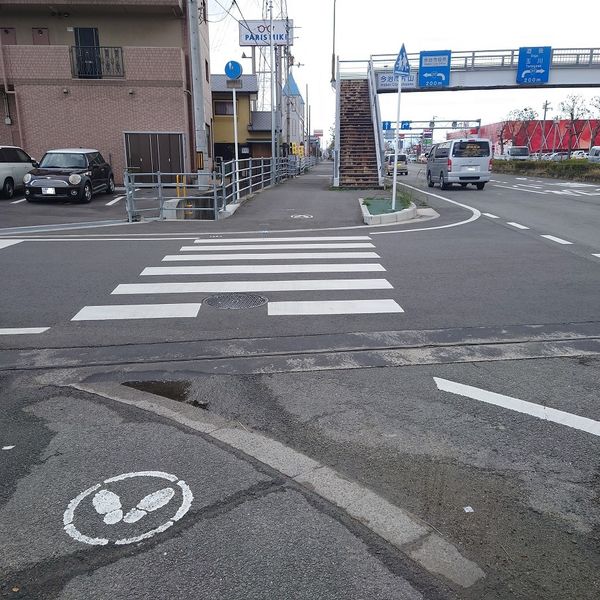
(205, 195)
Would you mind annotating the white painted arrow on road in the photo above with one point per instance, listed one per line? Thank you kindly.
(522, 406)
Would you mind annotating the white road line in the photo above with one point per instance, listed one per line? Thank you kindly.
(22, 330)
(596, 255)
(7, 243)
(556, 239)
(18, 201)
(333, 307)
(520, 189)
(491, 216)
(115, 200)
(252, 269)
(294, 285)
(522, 406)
(517, 225)
(278, 247)
(338, 238)
(137, 311)
(521, 178)
(271, 256)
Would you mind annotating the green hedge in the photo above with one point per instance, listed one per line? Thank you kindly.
(574, 169)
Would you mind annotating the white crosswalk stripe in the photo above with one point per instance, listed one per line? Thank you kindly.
(283, 303)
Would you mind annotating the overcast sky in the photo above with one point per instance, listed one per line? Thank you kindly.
(381, 26)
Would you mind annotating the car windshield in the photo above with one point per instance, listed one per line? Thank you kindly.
(519, 151)
(63, 160)
(471, 149)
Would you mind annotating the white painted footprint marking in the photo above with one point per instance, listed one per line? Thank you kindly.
(108, 503)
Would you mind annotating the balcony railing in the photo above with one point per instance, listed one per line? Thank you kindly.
(97, 62)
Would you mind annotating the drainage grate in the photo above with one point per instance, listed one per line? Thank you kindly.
(235, 301)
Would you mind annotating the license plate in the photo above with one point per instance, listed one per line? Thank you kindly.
(48, 191)
(472, 168)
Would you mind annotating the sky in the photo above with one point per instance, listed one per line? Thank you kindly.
(381, 26)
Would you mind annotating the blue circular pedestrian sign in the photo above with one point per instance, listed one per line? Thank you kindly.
(233, 69)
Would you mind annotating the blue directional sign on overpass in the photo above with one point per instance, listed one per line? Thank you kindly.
(434, 68)
(534, 65)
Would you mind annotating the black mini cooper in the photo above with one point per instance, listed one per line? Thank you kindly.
(74, 174)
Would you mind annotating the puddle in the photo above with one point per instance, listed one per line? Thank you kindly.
(180, 391)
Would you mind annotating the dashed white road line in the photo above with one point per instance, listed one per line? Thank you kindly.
(7, 447)
(115, 200)
(137, 311)
(556, 239)
(22, 330)
(517, 225)
(293, 285)
(333, 307)
(490, 215)
(522, 406)
(271, 256)
(252, 269)
(18, 201)
(596, 255)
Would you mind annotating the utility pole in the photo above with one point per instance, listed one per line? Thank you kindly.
(545, 106)
(200, 141)
(306, 124)
(287, 83)
(333, 48)
(272, 54)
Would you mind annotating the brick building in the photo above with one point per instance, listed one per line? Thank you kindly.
(106, 74)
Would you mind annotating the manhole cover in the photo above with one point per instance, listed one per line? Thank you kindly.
(235, 301)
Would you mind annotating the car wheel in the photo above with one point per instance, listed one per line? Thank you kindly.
(429, 180)
(86, 194)
(443, 184)
(8, 189)
(110, 186)
(480, 186)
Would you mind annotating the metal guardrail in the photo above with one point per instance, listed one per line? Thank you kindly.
(96, 62)
(473, 60)
(163, 196)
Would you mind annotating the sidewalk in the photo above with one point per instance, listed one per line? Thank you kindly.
(74, 524)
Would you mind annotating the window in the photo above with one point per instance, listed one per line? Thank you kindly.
(442, 151)
(471, 149)
(207, 69)
(208, 140)
(94, 159)
(63, 160)
(23, 156)
(11, 156)
(100, 158)
(224, 107)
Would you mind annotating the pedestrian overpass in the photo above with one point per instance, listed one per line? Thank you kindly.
(359, 82)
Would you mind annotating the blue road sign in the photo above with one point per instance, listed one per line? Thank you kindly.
(402, 66)
(434, 68)
(534, 65)
(233, 70)
(386, 125)
(404, 124)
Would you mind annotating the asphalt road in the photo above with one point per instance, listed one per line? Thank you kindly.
(458, 388)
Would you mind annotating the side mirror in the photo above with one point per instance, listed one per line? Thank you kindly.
(35, 164)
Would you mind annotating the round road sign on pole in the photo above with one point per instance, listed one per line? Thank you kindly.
(233, 70)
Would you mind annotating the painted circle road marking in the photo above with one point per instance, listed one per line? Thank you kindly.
(108, 505)
(301, 216)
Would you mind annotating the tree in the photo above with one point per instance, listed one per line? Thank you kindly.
(595, 114)
(573, 108)
(331, 145)
(524, 116)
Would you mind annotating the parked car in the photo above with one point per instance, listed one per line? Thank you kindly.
(555, 156)
(579, 154)
(412, 158)
(69, 174)
(14, 164)
(401, 165)
(594, 156)
(460, 161)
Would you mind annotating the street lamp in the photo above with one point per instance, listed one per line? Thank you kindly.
(333, 48)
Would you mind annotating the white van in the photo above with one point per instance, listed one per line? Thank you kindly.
(594, 156)
(14, 164)
(518, 153)
(460, 161)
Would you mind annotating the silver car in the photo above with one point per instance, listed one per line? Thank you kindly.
(461, 161)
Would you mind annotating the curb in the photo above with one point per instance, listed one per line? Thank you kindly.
(399, 216)
(411, 536)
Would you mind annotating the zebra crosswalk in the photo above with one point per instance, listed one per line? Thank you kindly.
(266, 271)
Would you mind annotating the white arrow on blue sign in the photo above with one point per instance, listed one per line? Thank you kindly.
(405, 125)
(402, 66)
